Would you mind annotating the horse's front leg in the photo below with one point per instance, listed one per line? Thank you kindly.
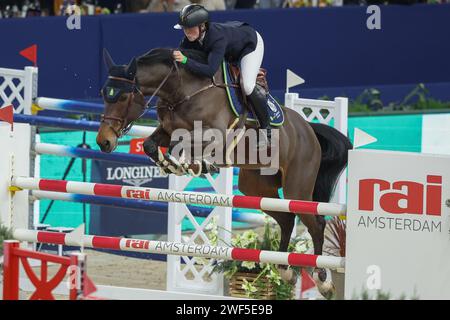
(160, 138)
(190, 152)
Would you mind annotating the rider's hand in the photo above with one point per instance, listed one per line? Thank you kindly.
(179, 57)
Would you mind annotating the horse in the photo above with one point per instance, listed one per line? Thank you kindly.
(311, 156)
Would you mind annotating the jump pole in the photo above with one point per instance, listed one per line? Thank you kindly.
(84, 153)
(44, 103)
(142, 205)
(164, 195)
(136, 131)
(183, 249)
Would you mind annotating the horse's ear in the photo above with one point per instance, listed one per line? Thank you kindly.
(108, 60)
(132, 68)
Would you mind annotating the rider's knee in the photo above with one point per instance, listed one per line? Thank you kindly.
(248, 87)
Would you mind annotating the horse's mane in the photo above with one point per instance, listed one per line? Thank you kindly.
(164, 55)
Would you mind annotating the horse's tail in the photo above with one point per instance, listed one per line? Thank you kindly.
(335, 148)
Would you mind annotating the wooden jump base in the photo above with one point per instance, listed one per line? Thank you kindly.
(14, 255)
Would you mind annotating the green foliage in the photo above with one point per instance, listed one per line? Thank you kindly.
(269, 241)
(5, 234)
(418, 99)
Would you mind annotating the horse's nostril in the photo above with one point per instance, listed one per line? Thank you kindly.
(105, 145)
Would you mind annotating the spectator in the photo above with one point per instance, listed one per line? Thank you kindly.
(136, 5)
(167, 5)
(265, 4)
(245, 4)
(211, 5)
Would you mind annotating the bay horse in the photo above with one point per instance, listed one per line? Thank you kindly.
(311, 156)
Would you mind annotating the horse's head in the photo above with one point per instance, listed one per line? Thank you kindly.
(124, 103)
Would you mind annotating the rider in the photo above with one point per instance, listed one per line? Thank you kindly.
(236, 42)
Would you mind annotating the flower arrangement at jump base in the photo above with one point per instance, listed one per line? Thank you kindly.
(262, 280)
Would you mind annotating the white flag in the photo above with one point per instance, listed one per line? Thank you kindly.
(292, 79)
(362, 138)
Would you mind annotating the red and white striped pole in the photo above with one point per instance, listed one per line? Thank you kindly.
(183, 249)
(164, 195)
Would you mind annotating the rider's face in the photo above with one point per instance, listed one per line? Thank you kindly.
(192, 33)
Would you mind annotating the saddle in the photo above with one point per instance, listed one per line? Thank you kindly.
(238, 100)
(261, 80)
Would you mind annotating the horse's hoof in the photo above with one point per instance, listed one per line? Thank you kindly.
(322, 274)
(325, 288)
(288, 275)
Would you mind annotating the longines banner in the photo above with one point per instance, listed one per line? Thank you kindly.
(113, 221)
(398, 225)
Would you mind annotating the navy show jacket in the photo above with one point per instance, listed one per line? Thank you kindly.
(230, 40)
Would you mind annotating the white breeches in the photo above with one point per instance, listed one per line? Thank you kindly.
(250, 65)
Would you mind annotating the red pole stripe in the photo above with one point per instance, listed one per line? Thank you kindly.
(53, 185)
(245, 254)
(106, 242)
(306, 260)
(107, 190)
(303, 206)
(247, 202)
(51, 237)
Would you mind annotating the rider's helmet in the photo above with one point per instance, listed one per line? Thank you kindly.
(192, 15)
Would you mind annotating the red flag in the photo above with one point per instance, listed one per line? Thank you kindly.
(89, 286)
(7, 115)
(30, 53)
(307, 282)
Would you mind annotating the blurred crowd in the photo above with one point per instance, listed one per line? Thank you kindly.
(28, 8)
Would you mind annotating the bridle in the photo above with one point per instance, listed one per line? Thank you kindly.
(124, 129)
(122, 121)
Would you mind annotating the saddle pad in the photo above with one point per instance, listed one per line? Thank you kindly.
(275, 111)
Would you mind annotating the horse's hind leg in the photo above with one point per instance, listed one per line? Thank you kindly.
(300, 185)
(252, 183)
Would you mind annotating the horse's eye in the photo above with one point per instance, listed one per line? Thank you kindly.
(123, 97)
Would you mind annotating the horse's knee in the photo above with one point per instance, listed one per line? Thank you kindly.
(151, 148)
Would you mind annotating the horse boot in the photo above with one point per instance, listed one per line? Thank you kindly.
(259, 103)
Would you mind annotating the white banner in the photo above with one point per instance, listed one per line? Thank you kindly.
(398, 225)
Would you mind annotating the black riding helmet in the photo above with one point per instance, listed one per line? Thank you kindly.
(192, 15)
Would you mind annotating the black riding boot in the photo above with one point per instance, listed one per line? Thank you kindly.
(259, 103)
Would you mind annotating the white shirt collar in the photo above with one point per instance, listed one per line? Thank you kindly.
(202, 38)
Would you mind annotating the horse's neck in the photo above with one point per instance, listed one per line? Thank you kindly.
(151, 79)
